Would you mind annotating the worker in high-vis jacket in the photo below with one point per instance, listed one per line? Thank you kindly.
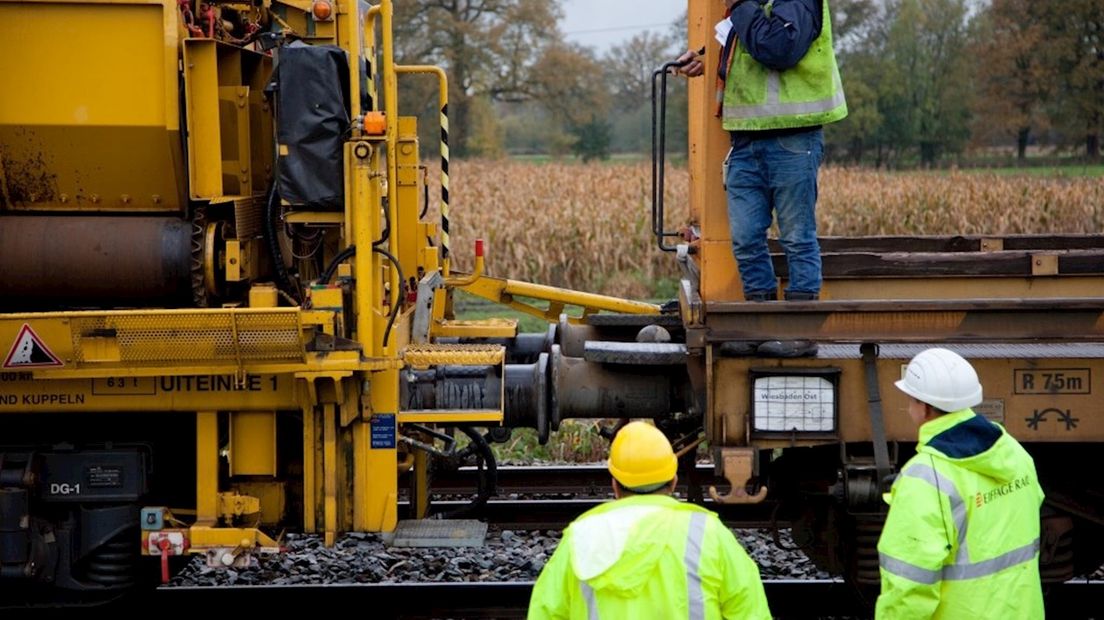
(962, 536)
(778, 84)
(648, 555)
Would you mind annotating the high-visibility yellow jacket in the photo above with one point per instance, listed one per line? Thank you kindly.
(806, 95)
(962, 536)
(649, 556)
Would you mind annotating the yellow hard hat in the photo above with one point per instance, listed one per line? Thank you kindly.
(642, 456)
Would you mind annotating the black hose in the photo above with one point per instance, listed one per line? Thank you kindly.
(425, 193)
(488, 478)
(337, 260)
(396, 296)
(282, 277)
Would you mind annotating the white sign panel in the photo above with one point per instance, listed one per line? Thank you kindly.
(794, 403)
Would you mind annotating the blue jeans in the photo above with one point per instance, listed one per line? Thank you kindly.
(768, 177)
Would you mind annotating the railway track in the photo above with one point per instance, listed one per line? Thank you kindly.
(590, 479)
(550, 497)
(575, 480)
(420, 590)
(789, 599)
(555, 514)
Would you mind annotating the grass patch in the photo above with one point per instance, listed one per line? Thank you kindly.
(469, 307)
(614, 158)
(577, 441)
(664, 289)
(1070, 171)
(1035, 171)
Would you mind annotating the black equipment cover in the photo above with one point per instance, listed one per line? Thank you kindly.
(312, 91)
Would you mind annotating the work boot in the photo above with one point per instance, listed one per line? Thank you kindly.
(746, 348)
(770, 295)
(791, 348)
(787, 348)
(801, 296)
(738, 348)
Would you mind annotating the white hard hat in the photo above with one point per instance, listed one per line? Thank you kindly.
(942, 379)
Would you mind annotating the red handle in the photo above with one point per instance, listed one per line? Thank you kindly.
(165, 546)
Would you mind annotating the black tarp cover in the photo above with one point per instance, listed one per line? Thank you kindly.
(311, 85)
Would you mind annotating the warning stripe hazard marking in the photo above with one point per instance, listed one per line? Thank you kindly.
(28, 351)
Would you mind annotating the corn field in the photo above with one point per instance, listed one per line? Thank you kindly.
(589, 227)
(869, 202)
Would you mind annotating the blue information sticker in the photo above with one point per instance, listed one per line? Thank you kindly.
(383, 431)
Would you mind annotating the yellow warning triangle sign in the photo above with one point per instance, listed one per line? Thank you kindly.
(28, 351)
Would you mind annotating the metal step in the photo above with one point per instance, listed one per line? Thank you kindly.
(426, 355)
(439, 533)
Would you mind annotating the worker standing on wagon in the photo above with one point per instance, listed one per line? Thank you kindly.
(962, 536)
(648, 555)
(777, 85)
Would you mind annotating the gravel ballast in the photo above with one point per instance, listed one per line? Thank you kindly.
(508, 555)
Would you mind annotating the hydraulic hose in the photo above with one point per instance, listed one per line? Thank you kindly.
(282, 277)
(488, 477)
(396, 301)
(396, 297)
(343, 255)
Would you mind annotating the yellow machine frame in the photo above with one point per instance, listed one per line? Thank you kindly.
(246, 363)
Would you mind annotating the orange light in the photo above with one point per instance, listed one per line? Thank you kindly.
(375, 123)
(322, 10)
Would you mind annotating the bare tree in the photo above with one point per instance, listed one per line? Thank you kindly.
(488, 47)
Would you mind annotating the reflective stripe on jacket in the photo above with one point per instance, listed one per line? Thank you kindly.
(805, 95)
(962, 536)
(649, 556)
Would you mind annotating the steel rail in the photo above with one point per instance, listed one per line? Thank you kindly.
(555, 514)
(526, 496)
(788, 598)
(587, 479)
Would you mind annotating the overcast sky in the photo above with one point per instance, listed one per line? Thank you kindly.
(603, 23)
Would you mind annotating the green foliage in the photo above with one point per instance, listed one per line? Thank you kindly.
(906, 80)
(664, 289)
(577, 441)
(1014, 85)
(1049, 172)
(489, 50)
(1075, 56)
(469, 307)
(592, 140)
(856, 133)
(567, 87)
(486, 135)
(631, 130)
(526, 129)
(925, 80)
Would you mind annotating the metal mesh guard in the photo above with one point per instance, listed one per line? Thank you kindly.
(194, 336)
